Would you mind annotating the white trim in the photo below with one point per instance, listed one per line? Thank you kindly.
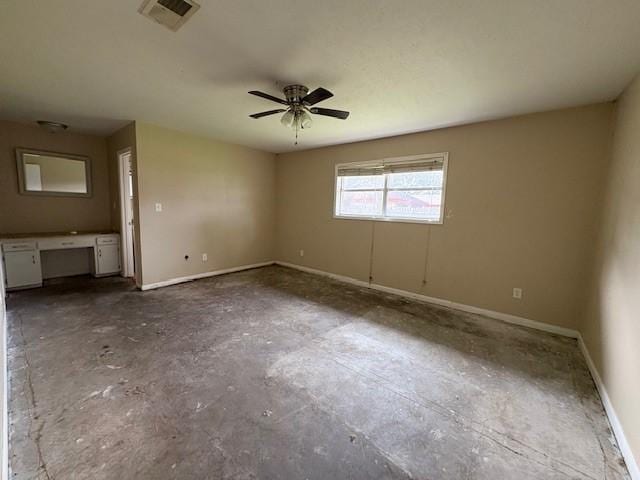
(388, 219)
(505, 317)
(625, 448)
(126, 231)
(189, 278)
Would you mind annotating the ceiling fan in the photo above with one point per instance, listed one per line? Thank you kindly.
(299, 103)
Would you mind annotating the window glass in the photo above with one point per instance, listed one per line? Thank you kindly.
(363, 182)
(361, 203)
(424, 204)
(427, 179)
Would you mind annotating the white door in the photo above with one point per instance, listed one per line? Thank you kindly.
(126, 213)
(108, 259)
(22, 268)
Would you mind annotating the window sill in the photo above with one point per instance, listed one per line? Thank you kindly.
(393, 220)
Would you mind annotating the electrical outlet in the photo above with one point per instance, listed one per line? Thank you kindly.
(204, 257)
(302, 253)
(517, 293)
(158, 207)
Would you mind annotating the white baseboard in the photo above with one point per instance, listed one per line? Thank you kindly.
(189, 278)
(625, 448)
(505, 317)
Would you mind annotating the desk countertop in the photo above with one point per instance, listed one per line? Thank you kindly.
(16, 236)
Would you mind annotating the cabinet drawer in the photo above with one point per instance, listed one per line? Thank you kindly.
(18, 247)
(107, 240)
(65, 242)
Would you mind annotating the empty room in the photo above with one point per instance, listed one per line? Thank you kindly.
(361, 239)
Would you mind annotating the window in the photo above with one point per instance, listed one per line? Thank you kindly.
(407, 189)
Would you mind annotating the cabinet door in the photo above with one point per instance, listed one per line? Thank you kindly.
(22, 269)
(108, 259)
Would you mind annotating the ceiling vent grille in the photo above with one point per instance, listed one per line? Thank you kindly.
(170, 13)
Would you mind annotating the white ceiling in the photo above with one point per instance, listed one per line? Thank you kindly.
(398, 65)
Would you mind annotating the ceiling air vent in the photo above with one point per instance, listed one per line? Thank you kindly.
(170, 13)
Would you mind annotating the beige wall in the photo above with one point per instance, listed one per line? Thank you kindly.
(612, 322)
(31, 214)
(521, 197)
(216, 198)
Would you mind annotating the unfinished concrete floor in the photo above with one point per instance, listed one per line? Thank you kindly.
(277, 374)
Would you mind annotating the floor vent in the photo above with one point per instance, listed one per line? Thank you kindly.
(170, 13)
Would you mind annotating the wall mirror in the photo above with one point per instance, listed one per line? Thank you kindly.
(50, 173)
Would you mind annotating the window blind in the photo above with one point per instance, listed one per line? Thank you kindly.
(420, 166)
(360, 170)
(367, 169)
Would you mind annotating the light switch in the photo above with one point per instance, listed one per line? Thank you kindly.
(158, 207)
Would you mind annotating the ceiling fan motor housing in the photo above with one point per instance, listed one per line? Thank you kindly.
(295, 93)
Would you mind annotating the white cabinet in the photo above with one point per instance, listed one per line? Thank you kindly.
(108, 259)
(22, 265)
(21, 258)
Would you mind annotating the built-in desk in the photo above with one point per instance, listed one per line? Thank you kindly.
(21, 255)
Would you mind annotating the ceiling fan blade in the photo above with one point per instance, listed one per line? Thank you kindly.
(270, 112)
(268, 97)
(318, 95)
(341, 114)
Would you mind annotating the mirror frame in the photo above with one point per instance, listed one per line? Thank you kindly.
(20, 152)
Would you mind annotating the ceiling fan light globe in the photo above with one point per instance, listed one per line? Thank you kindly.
(305, 120)
(287, 119)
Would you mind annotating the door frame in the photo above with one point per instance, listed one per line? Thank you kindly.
(126, 216)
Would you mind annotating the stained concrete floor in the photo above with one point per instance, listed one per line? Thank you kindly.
(277, 374)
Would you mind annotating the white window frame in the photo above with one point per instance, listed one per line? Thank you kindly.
(387, 161)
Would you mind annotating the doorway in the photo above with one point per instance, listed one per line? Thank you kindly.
(126, 212)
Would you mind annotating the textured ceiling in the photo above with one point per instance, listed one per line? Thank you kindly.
(399, 66)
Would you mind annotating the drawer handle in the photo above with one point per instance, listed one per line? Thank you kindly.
(99, 252)
(33, 259)
(67, 243)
